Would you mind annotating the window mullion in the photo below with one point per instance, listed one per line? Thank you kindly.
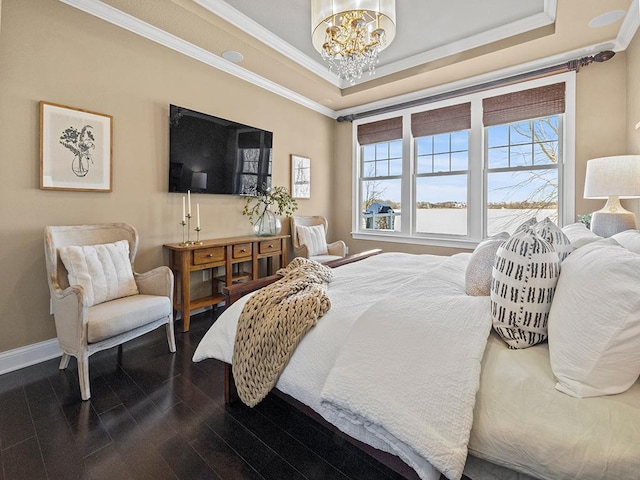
(408, 199)
(475, 208)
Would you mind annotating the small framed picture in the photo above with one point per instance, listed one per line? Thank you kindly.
(300, 177)
(75, 149)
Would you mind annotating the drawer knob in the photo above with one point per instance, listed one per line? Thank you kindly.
(270, 245)
(242, 250)
(210, 255)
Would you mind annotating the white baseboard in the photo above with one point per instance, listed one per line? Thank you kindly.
(29, 355)
(40, 352)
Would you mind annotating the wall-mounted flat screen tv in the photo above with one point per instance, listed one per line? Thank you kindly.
(208, 154)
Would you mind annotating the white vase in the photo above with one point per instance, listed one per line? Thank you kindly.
(267, 224)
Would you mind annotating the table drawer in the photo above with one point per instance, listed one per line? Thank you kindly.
(242, 250)
(208, 255)
(268, 246)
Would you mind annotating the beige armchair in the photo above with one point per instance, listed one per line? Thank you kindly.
(335, 250)
(85, 329)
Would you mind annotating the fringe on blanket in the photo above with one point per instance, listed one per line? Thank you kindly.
(273, 322)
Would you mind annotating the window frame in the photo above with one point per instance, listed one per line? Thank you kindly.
(477, 168)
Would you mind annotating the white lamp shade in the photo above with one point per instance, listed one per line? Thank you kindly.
(613, 176)
(322, 12)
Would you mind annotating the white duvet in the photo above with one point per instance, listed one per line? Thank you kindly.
(520, 420)
(399, 285)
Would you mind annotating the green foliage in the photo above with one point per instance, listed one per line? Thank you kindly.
(586, 219)
(278, 197)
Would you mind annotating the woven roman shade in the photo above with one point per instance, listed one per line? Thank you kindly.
(441, 120)
(382, 131)
(516, 106)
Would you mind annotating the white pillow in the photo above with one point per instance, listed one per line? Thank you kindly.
(629, 239)
(523, 282)
(579, 235)
(478, 273)
(315, 238)
(556, 237)
(594, 323)
(104, 271)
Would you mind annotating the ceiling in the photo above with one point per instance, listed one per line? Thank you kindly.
(426, 30)
(438, 44)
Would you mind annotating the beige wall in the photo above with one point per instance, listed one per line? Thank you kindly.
(633, 96)
(601, 129)
(52, 52)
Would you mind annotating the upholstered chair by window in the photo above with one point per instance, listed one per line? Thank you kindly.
(98, 300)
(309, 238)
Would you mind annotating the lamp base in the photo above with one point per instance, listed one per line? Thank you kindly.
(612, 219)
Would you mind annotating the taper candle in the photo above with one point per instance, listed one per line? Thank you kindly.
(183, 212)
(198, 214)
(189, 201)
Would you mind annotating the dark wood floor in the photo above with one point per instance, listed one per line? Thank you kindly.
(160, 416)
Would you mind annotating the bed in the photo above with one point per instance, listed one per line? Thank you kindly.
(507, 420)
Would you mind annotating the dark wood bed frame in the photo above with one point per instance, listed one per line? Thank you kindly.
(232, 294)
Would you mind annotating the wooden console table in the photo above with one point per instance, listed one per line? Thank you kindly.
(238, 255)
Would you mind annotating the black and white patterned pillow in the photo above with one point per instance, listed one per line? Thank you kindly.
(523, 283)
(556, 237)
(527, 223)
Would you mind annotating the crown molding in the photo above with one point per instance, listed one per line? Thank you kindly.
(128, 22)
(629, 26)
(533, 22)
(238, 19)
(132, 24)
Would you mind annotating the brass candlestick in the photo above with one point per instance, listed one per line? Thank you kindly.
(188, 225)
(197, 242)
(184, 224)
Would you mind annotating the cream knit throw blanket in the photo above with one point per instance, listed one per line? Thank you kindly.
(273, 322)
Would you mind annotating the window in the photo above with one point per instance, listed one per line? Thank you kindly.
(253, 162)
(457, 171)
(522, 172)
(441, 139)
(381, 175)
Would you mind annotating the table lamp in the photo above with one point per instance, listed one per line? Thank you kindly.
(613, 178)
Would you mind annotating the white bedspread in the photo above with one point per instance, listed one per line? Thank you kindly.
(409, 372)
(354, 289)
(520, 420)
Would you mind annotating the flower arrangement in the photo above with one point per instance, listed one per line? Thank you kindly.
(258, 209)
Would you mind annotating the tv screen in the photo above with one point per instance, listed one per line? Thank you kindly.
(208, 154)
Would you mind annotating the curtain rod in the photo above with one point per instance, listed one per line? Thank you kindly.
(571, 65)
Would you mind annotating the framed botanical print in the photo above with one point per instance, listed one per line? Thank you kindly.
(300, 177)
(75, 149)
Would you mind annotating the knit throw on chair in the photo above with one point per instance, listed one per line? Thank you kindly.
(273, 322)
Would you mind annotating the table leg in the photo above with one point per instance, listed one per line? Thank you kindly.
(186, 289)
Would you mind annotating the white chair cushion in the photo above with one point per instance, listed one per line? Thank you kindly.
(594, 323)
(480, 266)
(579, 235)
(523, 282)
(104, 271)
(555, 236)
(124, 314)
(314, 237)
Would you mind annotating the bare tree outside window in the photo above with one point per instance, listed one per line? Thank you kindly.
(522, 179)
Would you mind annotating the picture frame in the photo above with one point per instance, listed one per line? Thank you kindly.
(300, 176)
(75, 149)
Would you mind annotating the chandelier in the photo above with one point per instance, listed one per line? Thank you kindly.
(349, 34)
